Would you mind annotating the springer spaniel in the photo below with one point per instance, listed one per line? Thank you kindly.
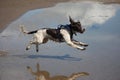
(64, 33)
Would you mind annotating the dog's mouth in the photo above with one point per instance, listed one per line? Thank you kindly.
(82, 31)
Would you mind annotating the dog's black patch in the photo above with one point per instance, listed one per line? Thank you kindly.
(55, 33)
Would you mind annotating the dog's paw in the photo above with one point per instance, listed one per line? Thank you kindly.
(27, 48)
(85, 45)
(37, 50)
(81, 49)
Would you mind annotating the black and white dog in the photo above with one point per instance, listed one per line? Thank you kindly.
(64, 33)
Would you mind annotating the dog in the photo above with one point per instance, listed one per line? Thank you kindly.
(64, 33)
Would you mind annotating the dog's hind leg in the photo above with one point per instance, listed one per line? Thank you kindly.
(36, 44)
(29, 45)
(33, 41)
(39, 38)
(37, 47)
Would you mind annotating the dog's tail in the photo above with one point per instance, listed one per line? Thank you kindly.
(76, 75)
(23, 30)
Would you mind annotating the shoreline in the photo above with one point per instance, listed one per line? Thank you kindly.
(13, 9)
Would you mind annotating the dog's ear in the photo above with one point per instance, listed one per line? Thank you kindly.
(71, 20)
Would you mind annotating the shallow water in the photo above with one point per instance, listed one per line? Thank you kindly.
(100, 59)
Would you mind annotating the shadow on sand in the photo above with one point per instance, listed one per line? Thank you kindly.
(64, 57)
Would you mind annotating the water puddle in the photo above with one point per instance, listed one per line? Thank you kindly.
(100, 59)
(90, 14)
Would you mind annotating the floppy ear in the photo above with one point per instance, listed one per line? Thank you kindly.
(71, 20)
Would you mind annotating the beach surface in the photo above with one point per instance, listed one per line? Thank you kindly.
(101, 21)
(10, 10)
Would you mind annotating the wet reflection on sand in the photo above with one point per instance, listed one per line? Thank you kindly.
(45, 75)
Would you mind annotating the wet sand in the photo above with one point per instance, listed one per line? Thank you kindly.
(12, 9)
(100, 59)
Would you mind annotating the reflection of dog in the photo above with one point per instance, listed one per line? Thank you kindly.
(62, 34)
(44, 75)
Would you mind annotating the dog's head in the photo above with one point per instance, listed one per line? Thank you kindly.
(76, 26)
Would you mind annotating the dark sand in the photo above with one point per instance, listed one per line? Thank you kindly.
(12, 9)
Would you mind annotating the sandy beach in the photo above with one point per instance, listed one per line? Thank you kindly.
(12, 9)
(101, 21)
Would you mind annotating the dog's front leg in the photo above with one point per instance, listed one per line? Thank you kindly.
(79, 43)
(67, 39)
